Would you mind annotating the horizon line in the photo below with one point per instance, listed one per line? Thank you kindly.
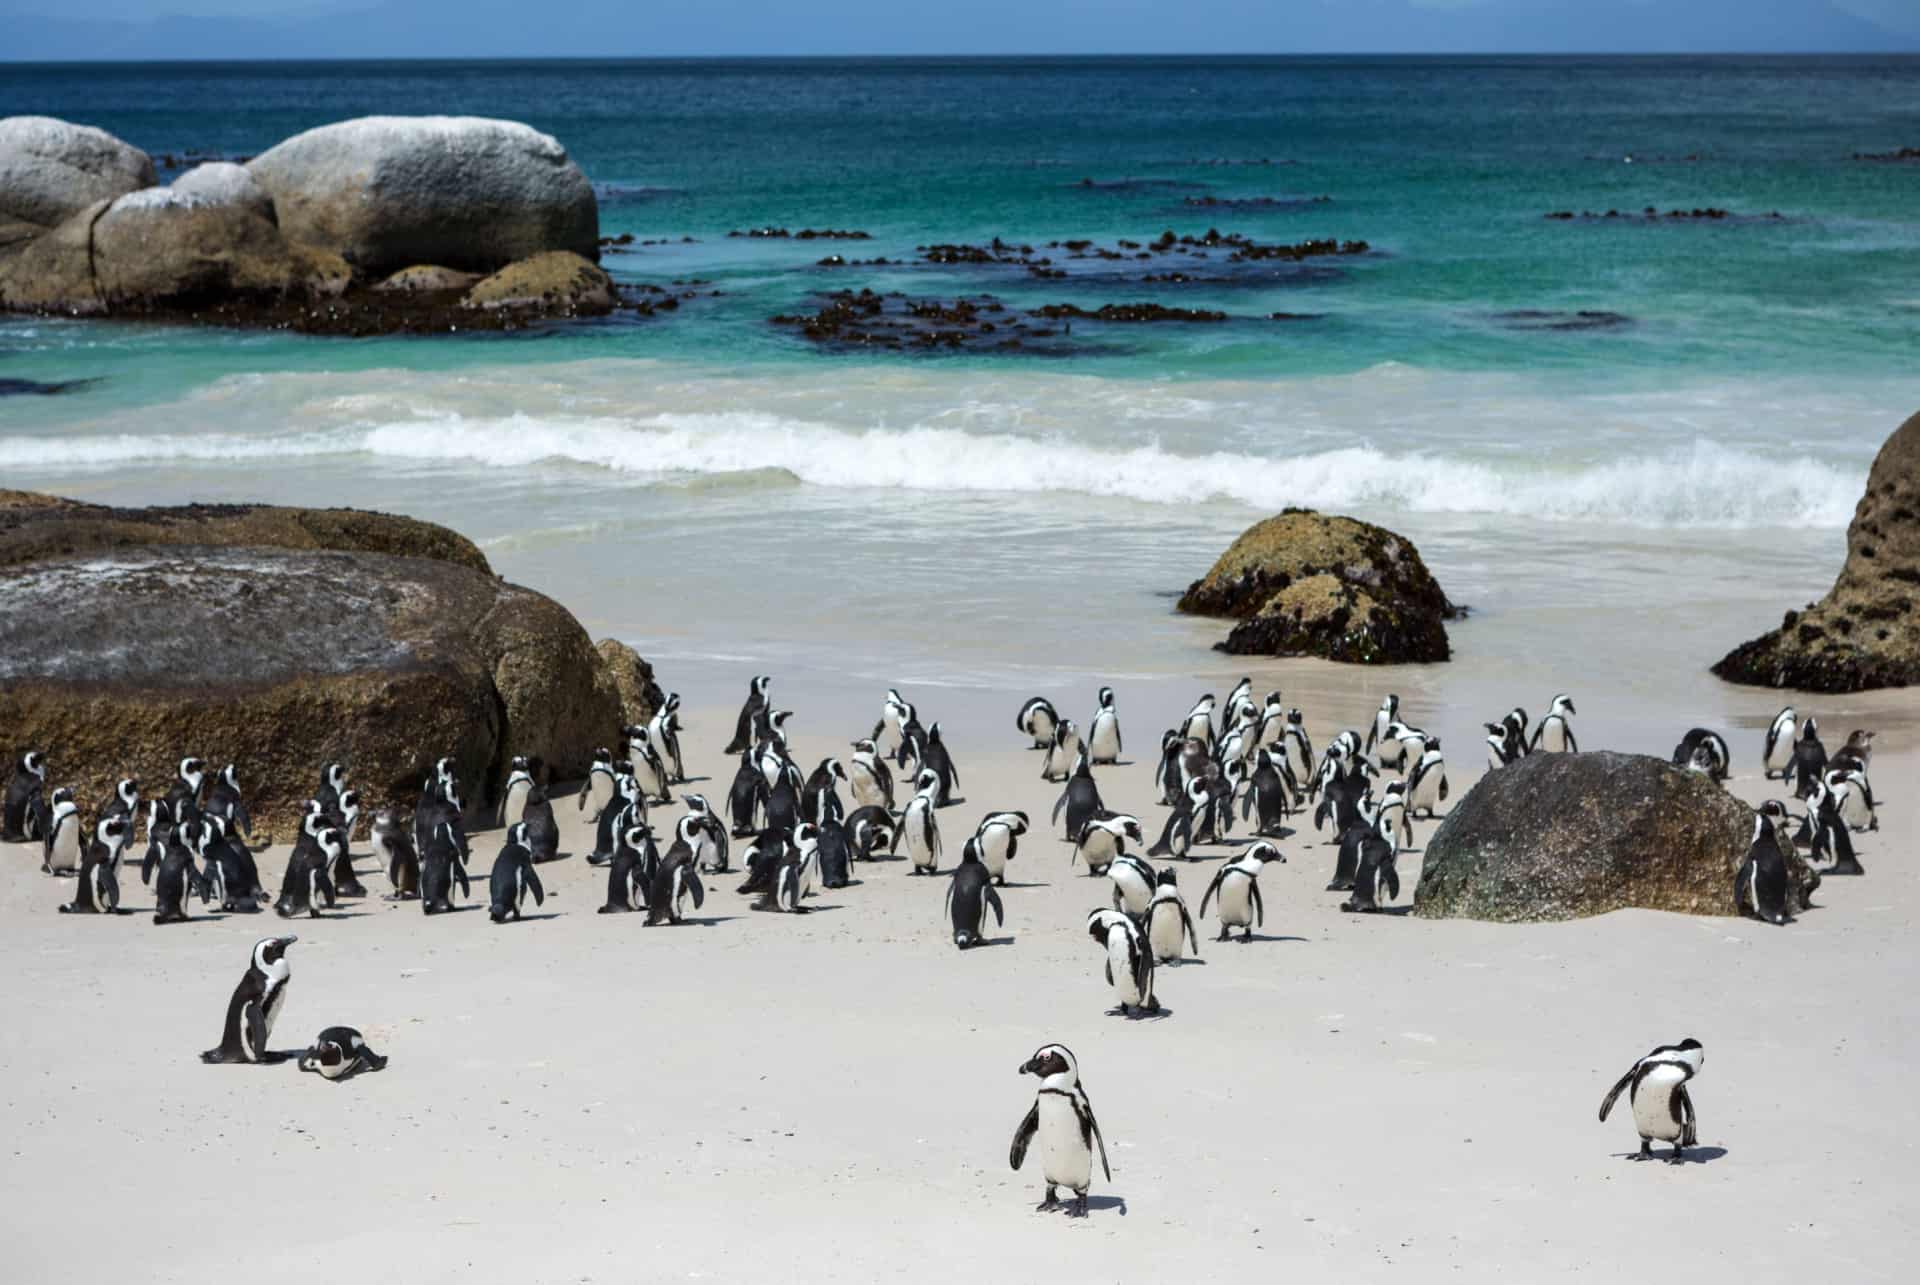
(1911, 53)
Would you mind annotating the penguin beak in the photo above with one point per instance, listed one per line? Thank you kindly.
(287, 941)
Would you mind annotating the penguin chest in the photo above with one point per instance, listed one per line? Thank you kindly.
(1106, 739)
(1065, 1158)
(1098, 850)
(993, 853)
(866, 790)
(1164, 930)
(1236, 900)
(1134, 893)
(1554, 738)
(270, 1011)
(515, 810)
(1120, 963)
(66, 846)
(1653, 1104)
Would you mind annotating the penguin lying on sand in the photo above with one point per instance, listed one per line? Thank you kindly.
(339, 1053)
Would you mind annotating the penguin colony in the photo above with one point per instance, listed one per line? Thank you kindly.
(1239, 760)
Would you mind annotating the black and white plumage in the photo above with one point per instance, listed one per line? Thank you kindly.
(513, 799)
(61, 846)
(743, 730)
(999, 838)
(1555, 732)
(1104, 743)
(705, 835)
(183, 796)
(1376, 880)
(1169, 923)
(346, 814)
(224, 800)
(970, 895)
(1828, 836)
(1080, 800)
(1299, 746)
(513, 878)
(665, 728)
(1427, 782)
(1134, 880)
(674, 884)
(629, 876)
(442, 868)
(792, 875)
(123, 802)
(333, 781)
(745, 797)
(1198, 724)
(1386, 716)
(919, 829)
(25, 791)
(1776, 755)
(1809, 765)
(340, 1053)
(648, 769)
(255, 1004)
(97, 885)
(870, 830)
(1177, 836)
(935, 758)
(820, 796)
(393, 845)
(1129, 962)
(1104, 837)
(1270, 794)
(230, 869)
(1237, 884)
(1061, 1119)
(1700, 740)
(597, 790)
(175, 878)
(1038, 719)
(307, 886)
(1657, 1092)
(1760, 889)
(868, 777)
(835, 854)
(1064, 753)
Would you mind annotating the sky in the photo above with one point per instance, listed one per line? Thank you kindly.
(57, 29)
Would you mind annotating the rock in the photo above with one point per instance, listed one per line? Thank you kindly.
(51, 170)
(428, 278)
(54, 272)
(160, 245)
(388, 191)
(1564, 836)
(35, 527)
(1305, 584)
(1866, 632)
(632, 680)
(224, 183)
(16, 233)
(556, 284)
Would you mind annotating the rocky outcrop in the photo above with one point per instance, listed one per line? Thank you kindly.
(52, 169)
(36, 527)
(1866, 632)
(224, 183)
(385, 192)
(556, 284)
(631, 679)
(1306, 584)
(428, 278)
(1564, 836)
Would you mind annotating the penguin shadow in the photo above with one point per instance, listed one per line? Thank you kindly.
(1007, 940)
(1691, 1156)
(1237, 939)
(555, 859)
(1141, 1015)
(335, 914)
(533, 918)
(1035, 884)
(1102, 1203)
(1185, 961)
(704, 922)
(1384, 912)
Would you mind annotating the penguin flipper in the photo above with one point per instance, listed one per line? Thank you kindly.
(999, 911)
(1614, 1093)
(533, 883)
(1573, 746)
(256, 1021)
(1023, 1136)
(1193, 938)
(1259, 909)
(1443, 789)
(1390, 877)
(1212, 888)
(1090, 1131)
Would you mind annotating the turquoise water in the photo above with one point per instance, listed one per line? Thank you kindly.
(1644, 494)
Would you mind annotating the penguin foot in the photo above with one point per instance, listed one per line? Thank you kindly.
(1050, 1203)
(1677, 1157)
(1222, 936)
(1079, 1207)
(1646, 1149)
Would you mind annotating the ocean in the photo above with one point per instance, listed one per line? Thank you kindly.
(1627, 443)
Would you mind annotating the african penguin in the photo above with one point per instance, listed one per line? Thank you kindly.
(597, 789)
(1062, 1119)
(1169, 923)
(24, 790)
(999, 838)
(340, 1053)
(1038, 719)
(1777, 754)
(1661, 1107)
(1102, 838)
(97, 886)
(1237, 884)
(513, 799)
(513, 878)
(1064, 754)
(60, 850)
(255, 1004)
(1133, 883)
(869, 777)
(919, 828)
(756, 702)
(224, 801)
(1129, 961)
(1103, 734)
(969, 895)
(393, 844)
(1376, 881)
(1555, 732)
(1760, 888)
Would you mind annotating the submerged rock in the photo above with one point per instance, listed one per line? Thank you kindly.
(52, 169)
(554, 284)
(1306, 584)
(1866, 632)
(1564, 836)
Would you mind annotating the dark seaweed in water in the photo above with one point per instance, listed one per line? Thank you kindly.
(1133, 184)
(1537, 319)
(37, 388)
(1214, 257)
(1255, 202)
(852, 320)
(1699, 214)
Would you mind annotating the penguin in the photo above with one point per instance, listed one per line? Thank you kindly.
(1719, 761)
(346, 816)
(60, 850)
(869, 829)
(441, 867)
(1299, 746)
(1346, 864)
(1238, 887)
(898, 719)
(629, 880)
(543, 832)
(1830, 839)
(1169, 923)
(1238, 705)
(791, 876)
(1377, 874)
(1760, 888)
(224, 801)
(340, 1053)
(1516, 723)
(1065, 753)
(230, 869)
(820, 797)
(969, 894)
(1858, 749)
(1555, 732)
(1855, 795)
(999, 838)
(1129, 961)
(1386, 716)
(1661, 1107)
(1809, 760)
(745, 797)
(1134, 881)
(1391, 750)
(333, 781)
(835, 854)
(1167, 775)
(934, 758)
(1038, 719)
(393, 844)
(255, 1005)
(1198, 724)
(1703, 762)
(1103, 734)
(1236, 746)
(183, 796)
(1343, 794)
(673, 883)
(597, 790)
(770, 848)
(513, 799)
(755, 703)
(1390, 815)
(178, 877)
(97, 887)
(306, 886)
(869, 778)
(1777, 754)
(441, 805)
(664, 728)
(1081, 799)
(159, 834)
(648, 770)
(919, 827)
(1499, 752)
(24, 790)
(625, 809)
(513, 878)
(1177, 836)
(123, 802)
(704, 834)
(1273, 725)
(1269, 794)
(1062, 1118)
(781, 802)
(1427, 782)
(1103, 838)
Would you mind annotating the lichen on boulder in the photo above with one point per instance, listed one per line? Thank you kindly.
(557, 284)
(1866, 632)
(631, 680)
(1308, 584)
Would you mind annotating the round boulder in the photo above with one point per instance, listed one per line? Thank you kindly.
(556, 284)
(385, 192)
(1866, 632)
(159, 245)
(632, 680)
(51, 169)
(1564, 836)
(1306, 584)
(224, 183)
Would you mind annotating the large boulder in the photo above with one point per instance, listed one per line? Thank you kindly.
(1866, 632)
(225, 183)
(52, 169)
(1564, 836)
(1306, 584)
(632, 680)
(34, 527)
(160, 245)
(386, 192)
(53, 272)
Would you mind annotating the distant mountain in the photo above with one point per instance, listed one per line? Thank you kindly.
(621, 28)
